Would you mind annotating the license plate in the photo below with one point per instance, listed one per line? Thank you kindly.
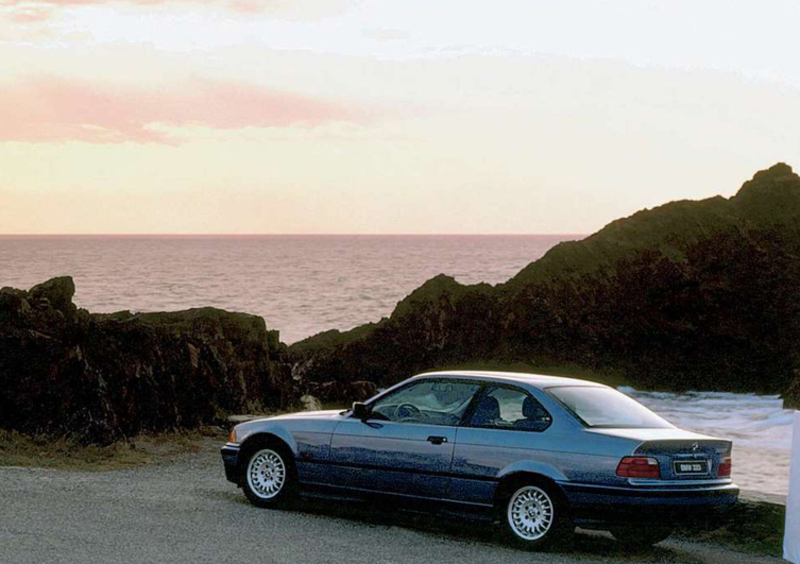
(689, 467)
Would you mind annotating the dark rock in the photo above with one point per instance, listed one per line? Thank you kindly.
(702, 295)
(442, 322)
(101, 378)
(58, 292)
(360, 390)
(329, 391)
(791, 397)
(341, 391)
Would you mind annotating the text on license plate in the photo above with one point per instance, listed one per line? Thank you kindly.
(691, 467)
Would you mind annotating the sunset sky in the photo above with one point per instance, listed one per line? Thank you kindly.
(380, 116)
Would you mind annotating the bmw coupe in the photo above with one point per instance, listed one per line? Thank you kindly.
(539, 455)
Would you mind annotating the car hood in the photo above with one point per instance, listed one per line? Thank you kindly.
(326, 414)
(668, 434)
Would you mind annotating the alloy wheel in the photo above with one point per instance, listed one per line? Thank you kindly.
(266, 473)
(530, 513)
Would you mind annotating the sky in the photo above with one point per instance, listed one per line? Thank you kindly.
(381, 116)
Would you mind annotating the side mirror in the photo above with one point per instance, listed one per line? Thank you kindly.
(360, 410)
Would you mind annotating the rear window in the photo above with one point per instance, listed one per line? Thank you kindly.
(606, 407)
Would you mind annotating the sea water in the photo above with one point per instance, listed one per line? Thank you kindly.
(301, 284)
(761, 430)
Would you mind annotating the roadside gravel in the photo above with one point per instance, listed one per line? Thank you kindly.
(184, 511)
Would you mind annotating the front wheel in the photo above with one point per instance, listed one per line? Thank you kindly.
(534, 517)
(269, 478)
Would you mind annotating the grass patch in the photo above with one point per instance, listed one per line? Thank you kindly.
(17, 449)
(752, 526)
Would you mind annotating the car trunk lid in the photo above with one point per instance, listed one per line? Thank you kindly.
(682, 459)
(682, 455)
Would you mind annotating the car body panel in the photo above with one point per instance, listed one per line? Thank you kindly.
(643, 435)
(306, 434)
(465, 465)
(384, 455)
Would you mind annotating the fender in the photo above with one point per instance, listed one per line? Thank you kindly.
(532, 467)
(251, 429)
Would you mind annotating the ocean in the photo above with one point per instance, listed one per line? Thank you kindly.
(301, 284)
(304, 284)
(761, 430)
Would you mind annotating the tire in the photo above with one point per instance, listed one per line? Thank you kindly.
(269, 478)
(534, 516)
(642, 537)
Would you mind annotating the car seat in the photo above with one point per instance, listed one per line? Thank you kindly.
(487, 413)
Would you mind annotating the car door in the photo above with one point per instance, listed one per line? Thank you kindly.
(406, 446)
(506, 425)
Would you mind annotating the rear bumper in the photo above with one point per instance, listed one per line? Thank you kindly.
(230, 459)
(706, 505)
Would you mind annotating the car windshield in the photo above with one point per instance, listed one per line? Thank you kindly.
(606, 407)
(432, 402)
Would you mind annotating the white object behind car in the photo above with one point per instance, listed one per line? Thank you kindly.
(791, 539)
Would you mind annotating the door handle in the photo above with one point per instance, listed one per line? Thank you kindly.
(437, 440)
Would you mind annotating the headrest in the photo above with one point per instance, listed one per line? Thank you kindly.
(531, 409)
(488, 408)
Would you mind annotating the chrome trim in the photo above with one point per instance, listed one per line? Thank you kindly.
(660, 483)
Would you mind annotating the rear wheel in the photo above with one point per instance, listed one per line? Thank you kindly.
(533, 516)
(269, 478)
(633, 537)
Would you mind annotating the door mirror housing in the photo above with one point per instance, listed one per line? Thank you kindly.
(360, 410)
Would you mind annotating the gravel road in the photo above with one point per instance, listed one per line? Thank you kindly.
(184, 511)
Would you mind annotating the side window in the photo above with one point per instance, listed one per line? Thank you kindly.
(510, 408)
(432, 402)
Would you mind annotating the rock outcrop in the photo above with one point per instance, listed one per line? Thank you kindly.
(104, 377)
(791, 397)
(692, 294)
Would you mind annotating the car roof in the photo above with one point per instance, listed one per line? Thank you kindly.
(536, 380)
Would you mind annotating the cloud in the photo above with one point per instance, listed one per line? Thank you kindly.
(30, 11)
(54, 109)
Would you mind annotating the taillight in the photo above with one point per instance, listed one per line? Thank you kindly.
(638, 467)
(725, 467)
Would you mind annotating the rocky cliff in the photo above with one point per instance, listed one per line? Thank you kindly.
(692, 294)
(791, 396)
(100, 378)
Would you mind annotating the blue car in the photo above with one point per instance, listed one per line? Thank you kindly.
(538, 454)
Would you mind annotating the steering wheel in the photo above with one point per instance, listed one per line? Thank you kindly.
(410, 411)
